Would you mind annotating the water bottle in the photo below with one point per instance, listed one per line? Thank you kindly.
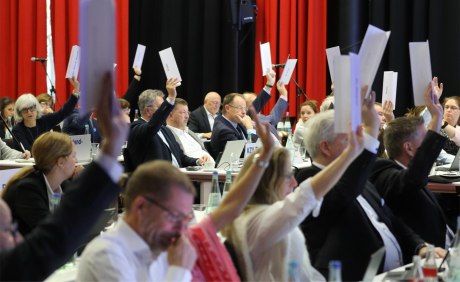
(456, 243)
(55, 200)
(87, 129)
(290, 147)
(280, 127)
(136, 114)
(454, 262)
(287, 124)
(293, 271)
(228, 183)
(416, 272)
(215, 196)
(430, 270)
(335, 271)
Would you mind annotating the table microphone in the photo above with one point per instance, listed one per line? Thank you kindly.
(14, 137)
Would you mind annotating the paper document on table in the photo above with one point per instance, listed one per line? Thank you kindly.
(371, 53)
(97, 39)
(347, 97)
(265, 57)
(74, 62)
(330, 54)
(287, 71)
(420, 67)
(169, 63)
(390, 84)
(139, 57)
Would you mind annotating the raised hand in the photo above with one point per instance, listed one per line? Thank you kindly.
(263, 132)
(271, 77)
(387, 110)
(432, 103)
(171, 85)
(371, 120)
(282, 89)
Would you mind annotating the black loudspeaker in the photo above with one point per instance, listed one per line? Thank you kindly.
(240, 12)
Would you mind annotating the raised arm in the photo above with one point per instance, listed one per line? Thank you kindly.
(246, 183)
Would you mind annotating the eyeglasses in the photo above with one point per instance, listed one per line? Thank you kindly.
(174, 217)
(31, 109)
(239, 108)
(453, 108)
(12, 229)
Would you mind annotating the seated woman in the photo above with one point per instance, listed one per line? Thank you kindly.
(307, 110)
(29, 192)
(31, 122)
(266, 236)
(451, 118)
(7, 112)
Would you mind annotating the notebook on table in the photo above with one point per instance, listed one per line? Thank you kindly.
(231, 153)
(374, 264)
(454, 166)
(83, 147)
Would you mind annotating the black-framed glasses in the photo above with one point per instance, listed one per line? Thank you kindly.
(239, 108)
(173, 216)
(12, 229)
(31, 109)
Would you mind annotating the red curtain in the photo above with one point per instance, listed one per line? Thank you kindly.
(23, 35)
(296, 28)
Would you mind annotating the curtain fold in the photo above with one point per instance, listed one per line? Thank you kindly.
(296, 28)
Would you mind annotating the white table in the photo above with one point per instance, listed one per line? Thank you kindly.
(381, 277)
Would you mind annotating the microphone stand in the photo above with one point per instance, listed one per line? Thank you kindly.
(12, 135)
(52, 89)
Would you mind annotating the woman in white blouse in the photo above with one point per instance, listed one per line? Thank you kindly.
(266, 237)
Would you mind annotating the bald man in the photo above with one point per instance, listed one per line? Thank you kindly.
(201, 120)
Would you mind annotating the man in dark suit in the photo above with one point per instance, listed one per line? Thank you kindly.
(202, 119)
(56, 239)
(402, 179)
(149, 139)
(354, 222)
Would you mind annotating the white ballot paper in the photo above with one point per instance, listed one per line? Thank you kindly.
(97, 39)
(74, 62)
(371, 53)
(139, 57)
(347, 93)
(169, 63)
(420, 67)
(265, 57)
(390, 84)
(330, 54)
(287, 71)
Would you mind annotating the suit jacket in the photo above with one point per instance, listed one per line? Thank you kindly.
(28, 201)
(56, 239)
(343, 230)
(144, 143)
(198, 121)
(404, 190)
(75, 125)
(224, 131)
(275, 116)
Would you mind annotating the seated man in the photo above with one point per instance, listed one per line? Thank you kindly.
(188, 140)
(202, 119)
(76, 125)
(402, 179)
(353, 222)
(153, 241)
(57, 238)
(149, 139)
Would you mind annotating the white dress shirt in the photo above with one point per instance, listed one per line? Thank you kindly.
(121, 255)
(211, 118)
(191, 147)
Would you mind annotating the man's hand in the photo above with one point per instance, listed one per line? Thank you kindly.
(264, 134)
(111, 120)
(387, 110)
(247, 122)
(432, 103)
(207, 135)
(137, 73)
(282, 89)
(76, 86)
(270, 76)
(439, 252)
(171, 85)
(182, 253)
(203, 159)
(371, 120)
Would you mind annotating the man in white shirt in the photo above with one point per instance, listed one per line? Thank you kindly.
(188, 140)
(147, 244)
(202, 119)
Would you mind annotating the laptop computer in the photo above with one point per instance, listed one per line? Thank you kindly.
(231, 153)
(374, 264)
(454, 166)
(82, 146)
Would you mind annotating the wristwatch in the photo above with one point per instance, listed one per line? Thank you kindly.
(258, 162)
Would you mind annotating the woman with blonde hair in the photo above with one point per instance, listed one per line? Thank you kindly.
(266, 236)
(29, 192)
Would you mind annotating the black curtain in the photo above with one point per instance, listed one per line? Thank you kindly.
(417, 20)
(211, 53)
